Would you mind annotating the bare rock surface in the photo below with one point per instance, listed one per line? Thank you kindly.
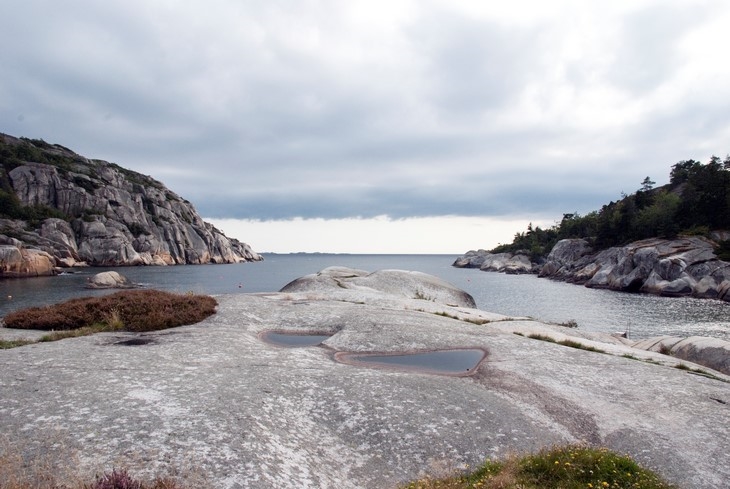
(216, 399)
(710, 352)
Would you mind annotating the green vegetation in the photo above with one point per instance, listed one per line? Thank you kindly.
(7, 344)
(570, 343)
(133, 310)
(570, 467)
(696, 200)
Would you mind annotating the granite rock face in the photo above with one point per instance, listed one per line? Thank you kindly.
(685, 266)
(680, 267)
(215, 400)
(18, 261)
(108, 215)
(511, 263)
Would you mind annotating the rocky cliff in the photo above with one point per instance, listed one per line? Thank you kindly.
(59, 209)
(685, 266)
(679, 267)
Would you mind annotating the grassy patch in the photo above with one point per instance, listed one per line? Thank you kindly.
(570, 343)
(6, 344)
(131, 310)
(570, 323)
(570, 467)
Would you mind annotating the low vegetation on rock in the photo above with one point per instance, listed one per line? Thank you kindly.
(131, 310)
(570, 467)
(694, 202)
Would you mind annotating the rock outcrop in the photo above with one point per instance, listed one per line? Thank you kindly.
(511, 263)
(710, 352)
(685, 266)
(215, 401)
(680, 267)
(91, 212)
(18, 261)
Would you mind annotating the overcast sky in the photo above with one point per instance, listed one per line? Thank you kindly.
(292, 123)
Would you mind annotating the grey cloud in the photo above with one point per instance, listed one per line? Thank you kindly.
(648, 54)
(227, 108)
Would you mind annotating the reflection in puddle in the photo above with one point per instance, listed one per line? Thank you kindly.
(293, 340)
(450, 362)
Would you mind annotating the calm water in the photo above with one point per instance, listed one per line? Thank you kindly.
(518, 295)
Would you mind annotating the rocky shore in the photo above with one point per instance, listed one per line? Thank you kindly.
(213, 402)
(684, 266)
(88, 212)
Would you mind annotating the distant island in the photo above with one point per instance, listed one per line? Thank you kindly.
(60, 210)
(671, 240)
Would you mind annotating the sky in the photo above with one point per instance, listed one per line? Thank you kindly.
(375, 126)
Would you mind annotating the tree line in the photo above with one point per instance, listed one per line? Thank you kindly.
(695, 201)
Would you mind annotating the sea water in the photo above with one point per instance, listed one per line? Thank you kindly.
(640, 315)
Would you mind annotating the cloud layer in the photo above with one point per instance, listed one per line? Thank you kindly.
(276, 110)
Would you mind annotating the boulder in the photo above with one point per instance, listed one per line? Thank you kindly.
(109, 280)
(358, 285)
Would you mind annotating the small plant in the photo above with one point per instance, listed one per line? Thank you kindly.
(116, 480)
(113, 320)
(569, 467)
(570, 323)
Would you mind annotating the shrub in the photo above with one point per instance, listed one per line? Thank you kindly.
(569, 467)
(116, 480)
(132, 310)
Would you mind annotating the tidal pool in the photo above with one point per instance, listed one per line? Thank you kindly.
(293, 339)
(448, 362)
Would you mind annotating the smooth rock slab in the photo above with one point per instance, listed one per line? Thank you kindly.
(215, 399)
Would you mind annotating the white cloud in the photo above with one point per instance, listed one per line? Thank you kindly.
(381, 234)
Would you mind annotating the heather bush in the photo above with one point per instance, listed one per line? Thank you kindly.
(131, 310)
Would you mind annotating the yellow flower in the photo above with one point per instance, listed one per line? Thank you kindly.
(604, 484)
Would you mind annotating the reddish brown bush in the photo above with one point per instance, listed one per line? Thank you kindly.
(138, 310)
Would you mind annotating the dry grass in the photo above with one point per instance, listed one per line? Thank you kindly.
(133, 310)
(23, 466)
